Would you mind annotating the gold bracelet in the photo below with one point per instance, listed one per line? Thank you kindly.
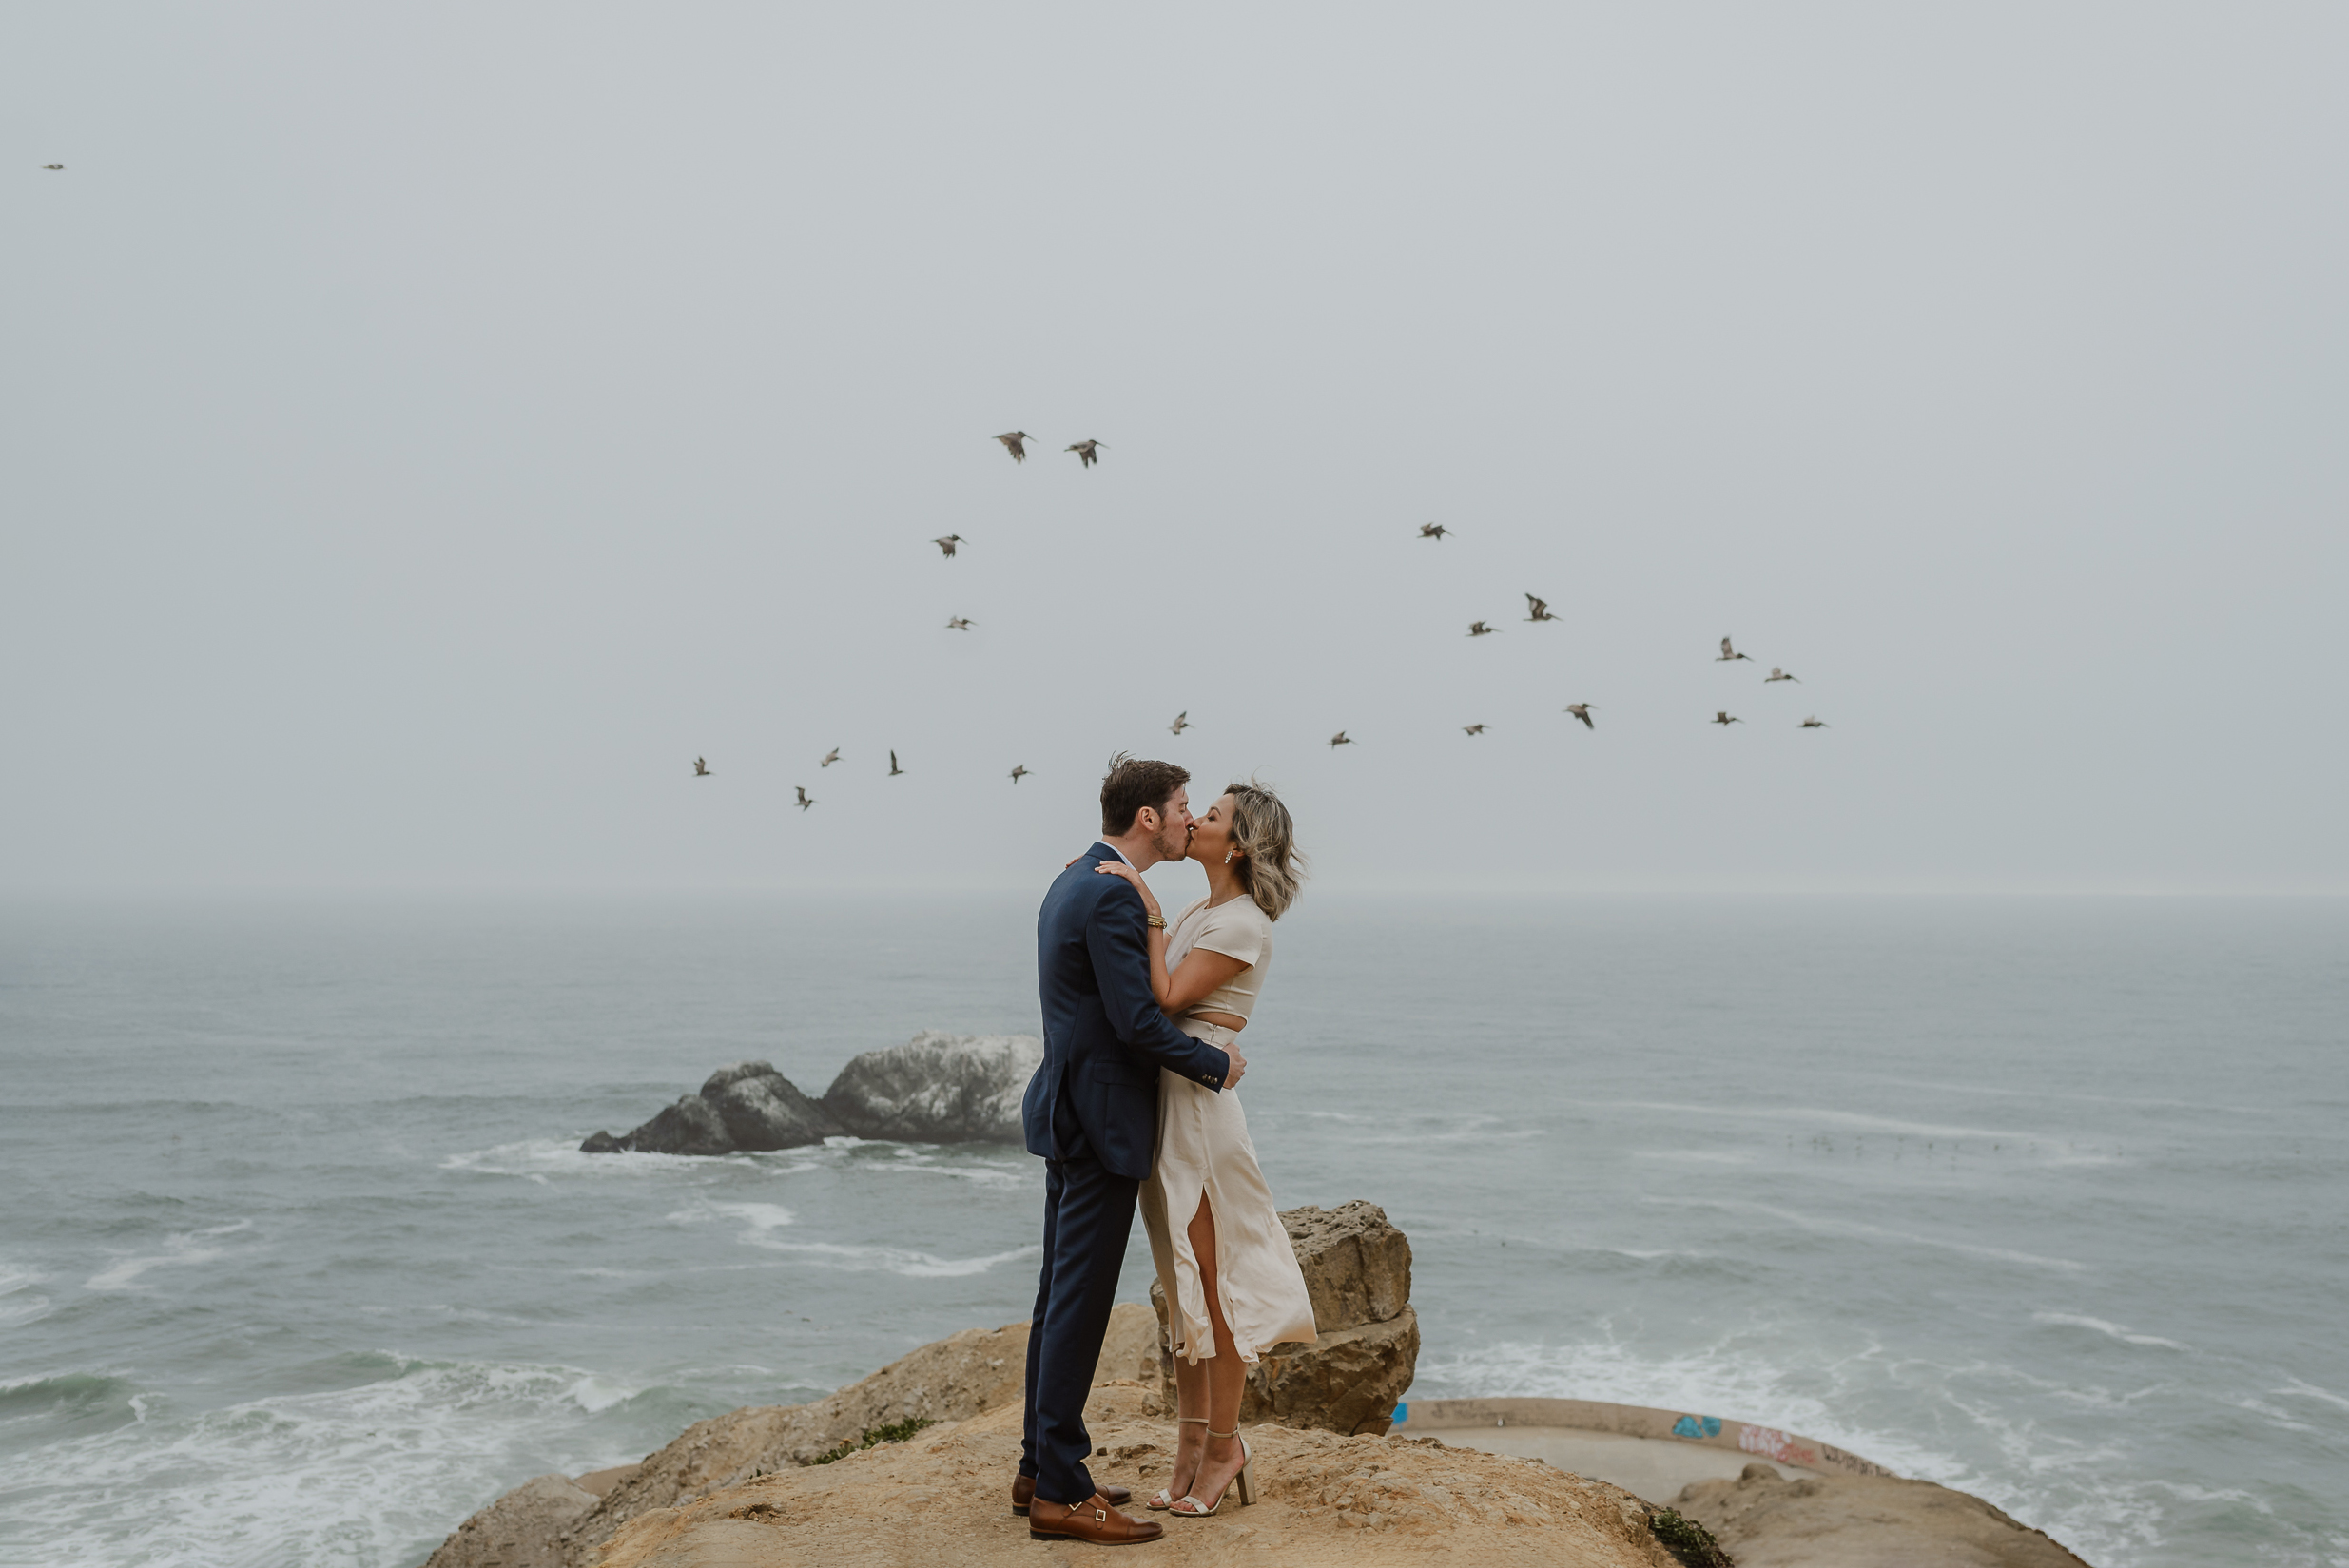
(1157, 921)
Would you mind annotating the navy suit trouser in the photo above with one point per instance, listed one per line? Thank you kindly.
(1088, 1217)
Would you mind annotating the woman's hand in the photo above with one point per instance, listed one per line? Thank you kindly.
(1119, 868)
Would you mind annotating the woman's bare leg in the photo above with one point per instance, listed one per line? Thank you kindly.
(1190, 1435)
(1225, 1377)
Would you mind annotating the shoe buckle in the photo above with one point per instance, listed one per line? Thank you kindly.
(1100, 1516)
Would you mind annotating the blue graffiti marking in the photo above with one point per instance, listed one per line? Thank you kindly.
(1697, 1427)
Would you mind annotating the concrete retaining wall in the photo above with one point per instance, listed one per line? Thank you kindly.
(1636, 1421)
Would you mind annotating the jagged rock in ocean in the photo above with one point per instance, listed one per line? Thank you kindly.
(938, 1088)
(1357, 1270)
(762, 1109)
(744, 1105)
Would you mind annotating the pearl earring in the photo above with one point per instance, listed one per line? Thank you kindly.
(1227, 857)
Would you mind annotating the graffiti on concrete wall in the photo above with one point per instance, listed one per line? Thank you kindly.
(1697, 1427)
(1851, 1462)
(1777, 1445)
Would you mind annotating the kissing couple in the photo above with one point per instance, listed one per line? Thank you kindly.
(1137, 1104)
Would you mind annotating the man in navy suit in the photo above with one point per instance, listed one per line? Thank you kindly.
(1092, 1112)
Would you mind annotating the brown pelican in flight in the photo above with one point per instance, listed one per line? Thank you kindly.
(1777, 674)
(958, 623)
(1341, 738)
(1084, 450)
(1581, 712)
(894, 770)
(1020, 772)
(1182, 722)
(1432, 530)
(829, 758)
(1472, 729)
(1728, 653)
(805, 801)
(1478, 628)
(1814, 722)
(1016, 442)
(949, 543)
(1721, 717)
(701, 768)
(1538, 609)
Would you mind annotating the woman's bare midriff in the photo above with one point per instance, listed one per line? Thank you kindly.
(1228, 1020)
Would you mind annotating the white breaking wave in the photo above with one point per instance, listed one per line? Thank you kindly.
(2113, 1331)
(181, 1251)
(355, 1478)
(15, 1280)
(896, 1260)
(1860, 1228)
(1822, 1115)
(760, 1217)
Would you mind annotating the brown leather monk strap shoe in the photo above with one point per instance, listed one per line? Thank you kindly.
(1023, 1493)
(1093, 1520)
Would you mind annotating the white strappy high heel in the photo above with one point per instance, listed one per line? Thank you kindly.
(1162, 1501)
(1239, 1480)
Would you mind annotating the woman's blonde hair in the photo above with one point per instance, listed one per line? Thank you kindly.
(1273, 870)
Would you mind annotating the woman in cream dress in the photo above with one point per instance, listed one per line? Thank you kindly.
(1232, 1283)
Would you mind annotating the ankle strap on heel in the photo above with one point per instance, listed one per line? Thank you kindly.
(1233, 1433)
(1200, 1421)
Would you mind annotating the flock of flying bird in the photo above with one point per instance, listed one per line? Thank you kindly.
(1537, 609)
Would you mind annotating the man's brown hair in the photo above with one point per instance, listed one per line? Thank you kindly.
(1132, 785)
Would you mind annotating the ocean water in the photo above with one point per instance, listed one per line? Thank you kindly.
(2044, 1199)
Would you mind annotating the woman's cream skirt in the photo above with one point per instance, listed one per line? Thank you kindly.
(1204, 1152)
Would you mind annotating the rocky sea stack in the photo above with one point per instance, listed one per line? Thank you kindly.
(936, 1088)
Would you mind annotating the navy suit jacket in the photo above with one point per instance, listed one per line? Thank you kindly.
(1104, 1035)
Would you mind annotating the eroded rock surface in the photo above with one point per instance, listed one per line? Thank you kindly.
(1357, 1265)
(1357, 1270)
(976, 1370)
(523, 1529)
(938, 1088)
(1322, 1500)
(1765, 1520)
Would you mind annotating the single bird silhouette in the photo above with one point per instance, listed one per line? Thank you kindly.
(1538, 609)
(1016, 442)
(894, 770)
(829, 758)
(1341, 738)
(1020, 772)
(1085, 451)
(1182, 722)
(1432, 530)
(1814, 723)
(701, 768)
(958, 623)
(1472, 729)
(1478, 628)
(1777, 674)
(1721, 717)
(804, 799)
(949, 543)
(1728, 653)
(1581, 712)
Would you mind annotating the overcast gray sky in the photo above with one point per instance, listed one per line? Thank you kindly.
(429, 427)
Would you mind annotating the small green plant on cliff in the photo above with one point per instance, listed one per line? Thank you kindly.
(1688, 1540)
(896, 1431)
